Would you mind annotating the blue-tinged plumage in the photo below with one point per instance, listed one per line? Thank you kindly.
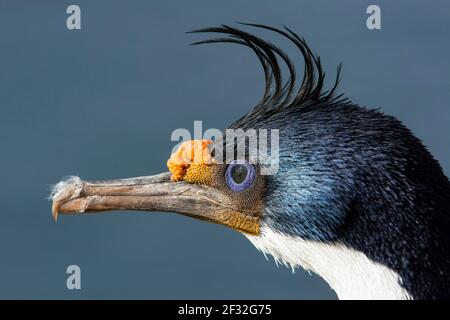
(357, 176)
(349, 174)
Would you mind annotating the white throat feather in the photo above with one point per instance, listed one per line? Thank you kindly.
(349, 272)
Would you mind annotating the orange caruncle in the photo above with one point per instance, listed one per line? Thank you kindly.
(191, 162)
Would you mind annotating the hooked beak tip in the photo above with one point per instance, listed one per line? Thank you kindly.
(55, 211)
(66, 189)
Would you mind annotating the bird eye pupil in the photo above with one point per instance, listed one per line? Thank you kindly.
(239, 173)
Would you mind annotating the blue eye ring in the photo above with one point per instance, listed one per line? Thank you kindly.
(247, 181)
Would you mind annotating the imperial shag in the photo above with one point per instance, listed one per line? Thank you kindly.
(357, 197)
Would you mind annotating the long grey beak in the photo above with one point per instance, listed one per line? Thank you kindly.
(151, 193)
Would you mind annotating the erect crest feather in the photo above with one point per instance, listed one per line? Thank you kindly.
(278, 94)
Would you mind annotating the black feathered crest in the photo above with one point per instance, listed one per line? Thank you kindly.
(278, 95)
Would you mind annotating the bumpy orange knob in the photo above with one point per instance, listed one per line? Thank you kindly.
(194, 154)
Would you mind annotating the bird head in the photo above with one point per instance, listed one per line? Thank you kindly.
(232, 193)
(344, 200)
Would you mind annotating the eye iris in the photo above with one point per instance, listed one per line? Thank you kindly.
(240, 177)
(239, 173)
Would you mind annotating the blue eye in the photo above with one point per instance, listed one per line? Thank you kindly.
(240, 176)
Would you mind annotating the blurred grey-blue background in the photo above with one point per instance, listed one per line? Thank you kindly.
(101, 102)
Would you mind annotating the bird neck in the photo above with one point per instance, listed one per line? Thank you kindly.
(348, 272)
